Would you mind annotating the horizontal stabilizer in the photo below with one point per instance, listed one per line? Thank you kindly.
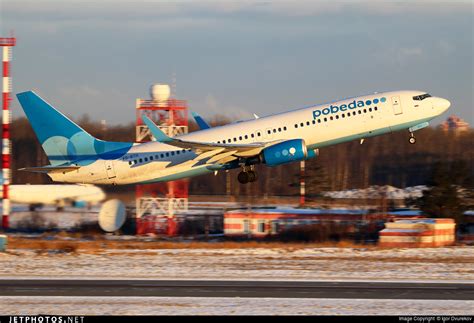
(51, 169)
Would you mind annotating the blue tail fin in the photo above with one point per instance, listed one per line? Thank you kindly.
(62, 140)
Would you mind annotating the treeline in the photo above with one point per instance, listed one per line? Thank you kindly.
(383, 160)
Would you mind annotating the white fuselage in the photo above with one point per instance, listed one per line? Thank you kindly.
(318, 126)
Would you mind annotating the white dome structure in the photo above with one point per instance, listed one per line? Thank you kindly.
(112, 215)
(160, 92)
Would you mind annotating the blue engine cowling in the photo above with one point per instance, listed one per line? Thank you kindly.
(287, 152)
(79, 204)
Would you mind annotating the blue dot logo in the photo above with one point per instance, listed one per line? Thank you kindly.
(376, 101)
(368, 102)
(383, 99)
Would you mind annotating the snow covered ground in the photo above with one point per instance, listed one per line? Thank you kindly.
(28, 305)
(375, 192)
(427, 264)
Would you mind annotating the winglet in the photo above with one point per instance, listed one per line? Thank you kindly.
(155, 131)
(200, 121)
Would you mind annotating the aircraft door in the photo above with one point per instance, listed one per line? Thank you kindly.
(109, 169)
(397, 106)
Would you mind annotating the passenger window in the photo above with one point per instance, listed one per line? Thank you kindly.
(240, 137)
(319, 120)
(296, 126)
(337, 116)
(167, 154)
(307, 123)
(140, 160)
(246, 137)
(284, 128)
(331, 118)
(252, 135)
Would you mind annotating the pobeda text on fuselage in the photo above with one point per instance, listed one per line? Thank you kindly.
(77, 157)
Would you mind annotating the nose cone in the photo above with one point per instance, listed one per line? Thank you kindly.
(441, 105)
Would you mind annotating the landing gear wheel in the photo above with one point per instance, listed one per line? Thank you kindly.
(243, 177)
(412, 140)
(252, 176)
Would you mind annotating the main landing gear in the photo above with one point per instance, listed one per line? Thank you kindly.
(412, 138)
(247, 175)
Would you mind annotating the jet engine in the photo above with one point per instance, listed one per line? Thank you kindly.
(287, 152)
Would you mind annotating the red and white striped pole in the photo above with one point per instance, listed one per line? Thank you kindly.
(302, 183)
(7, 44)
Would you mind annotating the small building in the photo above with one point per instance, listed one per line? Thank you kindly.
(259, 223)
(454, 124)
(418, 233)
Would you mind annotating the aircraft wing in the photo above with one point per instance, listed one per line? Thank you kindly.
(240, 150)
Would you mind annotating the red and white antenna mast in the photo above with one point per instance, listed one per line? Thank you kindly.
(6, 44)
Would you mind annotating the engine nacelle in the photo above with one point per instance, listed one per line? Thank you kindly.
(79, 204)
(287, 152)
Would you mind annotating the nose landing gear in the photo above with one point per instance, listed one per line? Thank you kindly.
(412, 138)
(247, 175)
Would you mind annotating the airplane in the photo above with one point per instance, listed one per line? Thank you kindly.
(59, 195)
(77, 157)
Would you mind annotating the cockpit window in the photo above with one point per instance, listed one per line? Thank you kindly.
(421, 97)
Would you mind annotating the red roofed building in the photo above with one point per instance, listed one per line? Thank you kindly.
(454, 123)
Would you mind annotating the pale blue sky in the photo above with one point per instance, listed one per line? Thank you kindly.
(238, 57)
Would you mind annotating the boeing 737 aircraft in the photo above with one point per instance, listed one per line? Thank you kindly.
(78, 157)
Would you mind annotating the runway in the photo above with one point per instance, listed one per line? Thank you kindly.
(200, 288)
